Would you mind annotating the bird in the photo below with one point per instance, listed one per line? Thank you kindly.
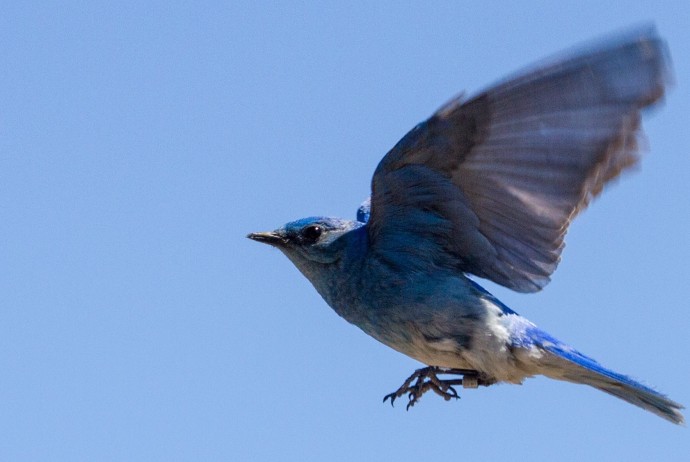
(486, 187)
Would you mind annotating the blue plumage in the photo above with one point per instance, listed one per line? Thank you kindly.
(487, 186)
(364, 211)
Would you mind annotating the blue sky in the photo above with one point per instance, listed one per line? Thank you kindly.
(140, 142)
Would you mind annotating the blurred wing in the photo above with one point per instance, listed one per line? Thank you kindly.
(489, 185)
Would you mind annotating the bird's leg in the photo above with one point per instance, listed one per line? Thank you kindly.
(426, 379)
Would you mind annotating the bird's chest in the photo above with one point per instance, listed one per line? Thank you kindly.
(438, 322)
(412, 317)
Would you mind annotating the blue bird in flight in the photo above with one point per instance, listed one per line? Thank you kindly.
(487, 186)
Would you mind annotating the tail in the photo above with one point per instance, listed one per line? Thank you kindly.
(568, 364)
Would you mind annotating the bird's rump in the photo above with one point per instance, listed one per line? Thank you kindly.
(496, 179)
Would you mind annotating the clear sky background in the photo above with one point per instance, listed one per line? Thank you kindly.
(140, 142)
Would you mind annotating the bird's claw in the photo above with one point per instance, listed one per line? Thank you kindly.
(391, 396)
(426, 379)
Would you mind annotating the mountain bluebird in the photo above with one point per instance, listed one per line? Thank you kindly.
(487, 186)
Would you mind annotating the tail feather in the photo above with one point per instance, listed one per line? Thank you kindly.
(576, 367)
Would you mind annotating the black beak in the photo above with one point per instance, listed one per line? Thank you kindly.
(270, 237)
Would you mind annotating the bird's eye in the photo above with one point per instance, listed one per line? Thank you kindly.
(312, 233)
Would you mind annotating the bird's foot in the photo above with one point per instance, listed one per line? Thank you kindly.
(426, 379)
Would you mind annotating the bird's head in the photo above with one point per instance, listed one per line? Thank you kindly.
(309, 240)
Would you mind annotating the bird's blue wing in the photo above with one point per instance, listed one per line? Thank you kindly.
(364, 211)
(489, 185)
